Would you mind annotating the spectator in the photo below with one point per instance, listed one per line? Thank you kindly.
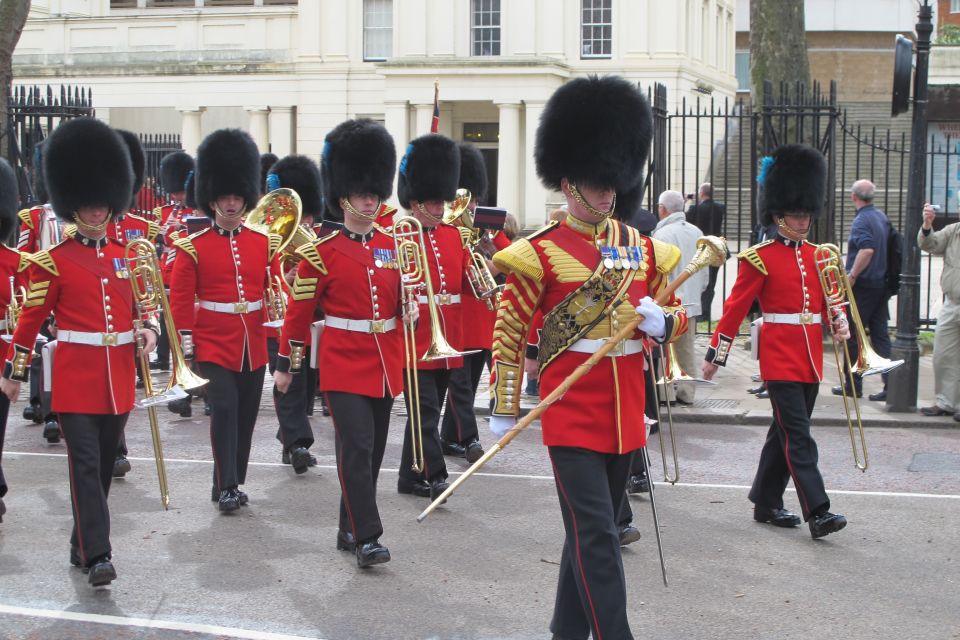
(867, 273)
(707, 215)
(629, 211)
(674, 229)
(946, 341)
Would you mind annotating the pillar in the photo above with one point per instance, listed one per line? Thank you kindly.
(190, 135)
(534, 212)
(508, 163)
(258, 126)
(281, 131)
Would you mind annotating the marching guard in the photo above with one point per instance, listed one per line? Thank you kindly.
(781, 274)
(587, 274)
(225, 266)
(352, 274)
(84, 282)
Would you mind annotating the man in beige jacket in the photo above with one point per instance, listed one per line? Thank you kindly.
(946, 343)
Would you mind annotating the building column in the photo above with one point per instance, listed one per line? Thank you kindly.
(424, 118)
(258, 125)
(281, 131)
(190, 132)
(397, 123)
(534, 212)
(508, 163)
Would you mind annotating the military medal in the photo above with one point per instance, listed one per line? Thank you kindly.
(634, 258)
(133, 234)
(625, 260)
(607, 259)
(120, 268)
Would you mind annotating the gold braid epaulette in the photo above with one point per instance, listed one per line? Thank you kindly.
(158, 212)
(24, 215)
(153, 229)
(44, 260)
(186, 245)
(520, 257)
(465, 236)
(275, 242)
(667, 256)
(24, 261)
(69, 231)
(750, 255)
(309, 252)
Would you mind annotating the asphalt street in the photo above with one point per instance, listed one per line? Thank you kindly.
(484, 565)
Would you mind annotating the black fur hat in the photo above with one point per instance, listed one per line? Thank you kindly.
(429, 170)
(190, 191)
(174, 168)
(267, 160)
(39, 184)
(473, 172)
(138, 159)
(793, 179)
(86, 163)
(228, 163)
(301, 174)
(358, 157)
(9, 200)
(595, 131)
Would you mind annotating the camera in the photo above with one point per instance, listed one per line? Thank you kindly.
(691, 196)
(935, 207)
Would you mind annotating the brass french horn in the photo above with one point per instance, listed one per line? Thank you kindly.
(277, 213)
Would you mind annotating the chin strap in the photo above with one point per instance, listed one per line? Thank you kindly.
(352, 210)
(791, 233)
(586, 205)
(432, 219)
(217, 210)
(88, 229)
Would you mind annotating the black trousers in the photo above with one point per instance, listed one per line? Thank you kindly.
(234, 398)
(790, 451)
(4, 411)
(591, 590)
(163, 345)
(872, 303)
(91, 446)
(706, 298)
(292, 406)
(459, 420)
(360, 426)
(433, 388)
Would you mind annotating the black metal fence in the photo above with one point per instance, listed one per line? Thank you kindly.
(721, 142)
(155, 146)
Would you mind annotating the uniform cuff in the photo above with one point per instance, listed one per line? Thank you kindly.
(506, 389)
(718, 354)
(18, 368)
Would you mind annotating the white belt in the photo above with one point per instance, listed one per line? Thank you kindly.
(3, 324)
(361, 326)
(792, 318)
(95, 338)
(441, 298)
(231, 307)
(625, 348)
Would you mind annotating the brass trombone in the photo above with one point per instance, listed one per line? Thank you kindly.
(457, 213)
(150, 298)
(414, 277)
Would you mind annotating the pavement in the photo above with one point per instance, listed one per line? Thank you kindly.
(727, 402)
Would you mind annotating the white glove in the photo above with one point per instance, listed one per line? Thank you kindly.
(654, 321)
(499, 425)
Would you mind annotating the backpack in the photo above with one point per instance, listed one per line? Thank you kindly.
(894, 259)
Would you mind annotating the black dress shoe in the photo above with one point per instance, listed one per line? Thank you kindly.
(825, 523)
(418, 488)
(838, 391)
(879, 397)
(437, 487)
(242, 497)
(285, 458)
(300, 459)
(229, 501)
(474, 451)
(181, 407)
(101, 572)
(934, 411)
(757, 390)
(763, 395)
(454, 449)
(371, 553)
(51, 431)
(346, 542)
(31, 412)
(638, 483)
(778, 517)
(121, 466)
(628, 534)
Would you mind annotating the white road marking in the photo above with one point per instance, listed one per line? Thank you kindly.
(520, 476)
(145, 623)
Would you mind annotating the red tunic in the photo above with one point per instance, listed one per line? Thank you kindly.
(604, 410)
(340, 275)
(13, 264)
(478, 318)
(80, 281)
(227, 267)
(782, 275)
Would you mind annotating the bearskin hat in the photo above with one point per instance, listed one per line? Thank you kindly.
(39, 184)
(358, 157)
(793, 179)
(596, 131)
(86, 163)
(137, 158)
(429, 170)
(267, 160)
(190, 191)
(9, 200)
(473, 172)
(301, 174)
(174, 168)
(228, 163)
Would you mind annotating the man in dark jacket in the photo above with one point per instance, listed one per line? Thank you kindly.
(708, 215)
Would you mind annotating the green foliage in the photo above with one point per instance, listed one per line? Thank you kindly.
(949, 34)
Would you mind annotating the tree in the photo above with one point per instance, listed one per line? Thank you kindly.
(13, 15)
(778, 44)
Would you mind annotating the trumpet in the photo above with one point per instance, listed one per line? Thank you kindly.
(14, 308)
(150, 298)
(838, 295)
(457, 213)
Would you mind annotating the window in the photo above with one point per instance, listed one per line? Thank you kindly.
(742, 70)
(954, 6)
(377, 29)
(485, 28)
(596, 28)
(481, 131)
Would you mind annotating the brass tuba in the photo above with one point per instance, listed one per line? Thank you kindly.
(278, 213)
(457, 213)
